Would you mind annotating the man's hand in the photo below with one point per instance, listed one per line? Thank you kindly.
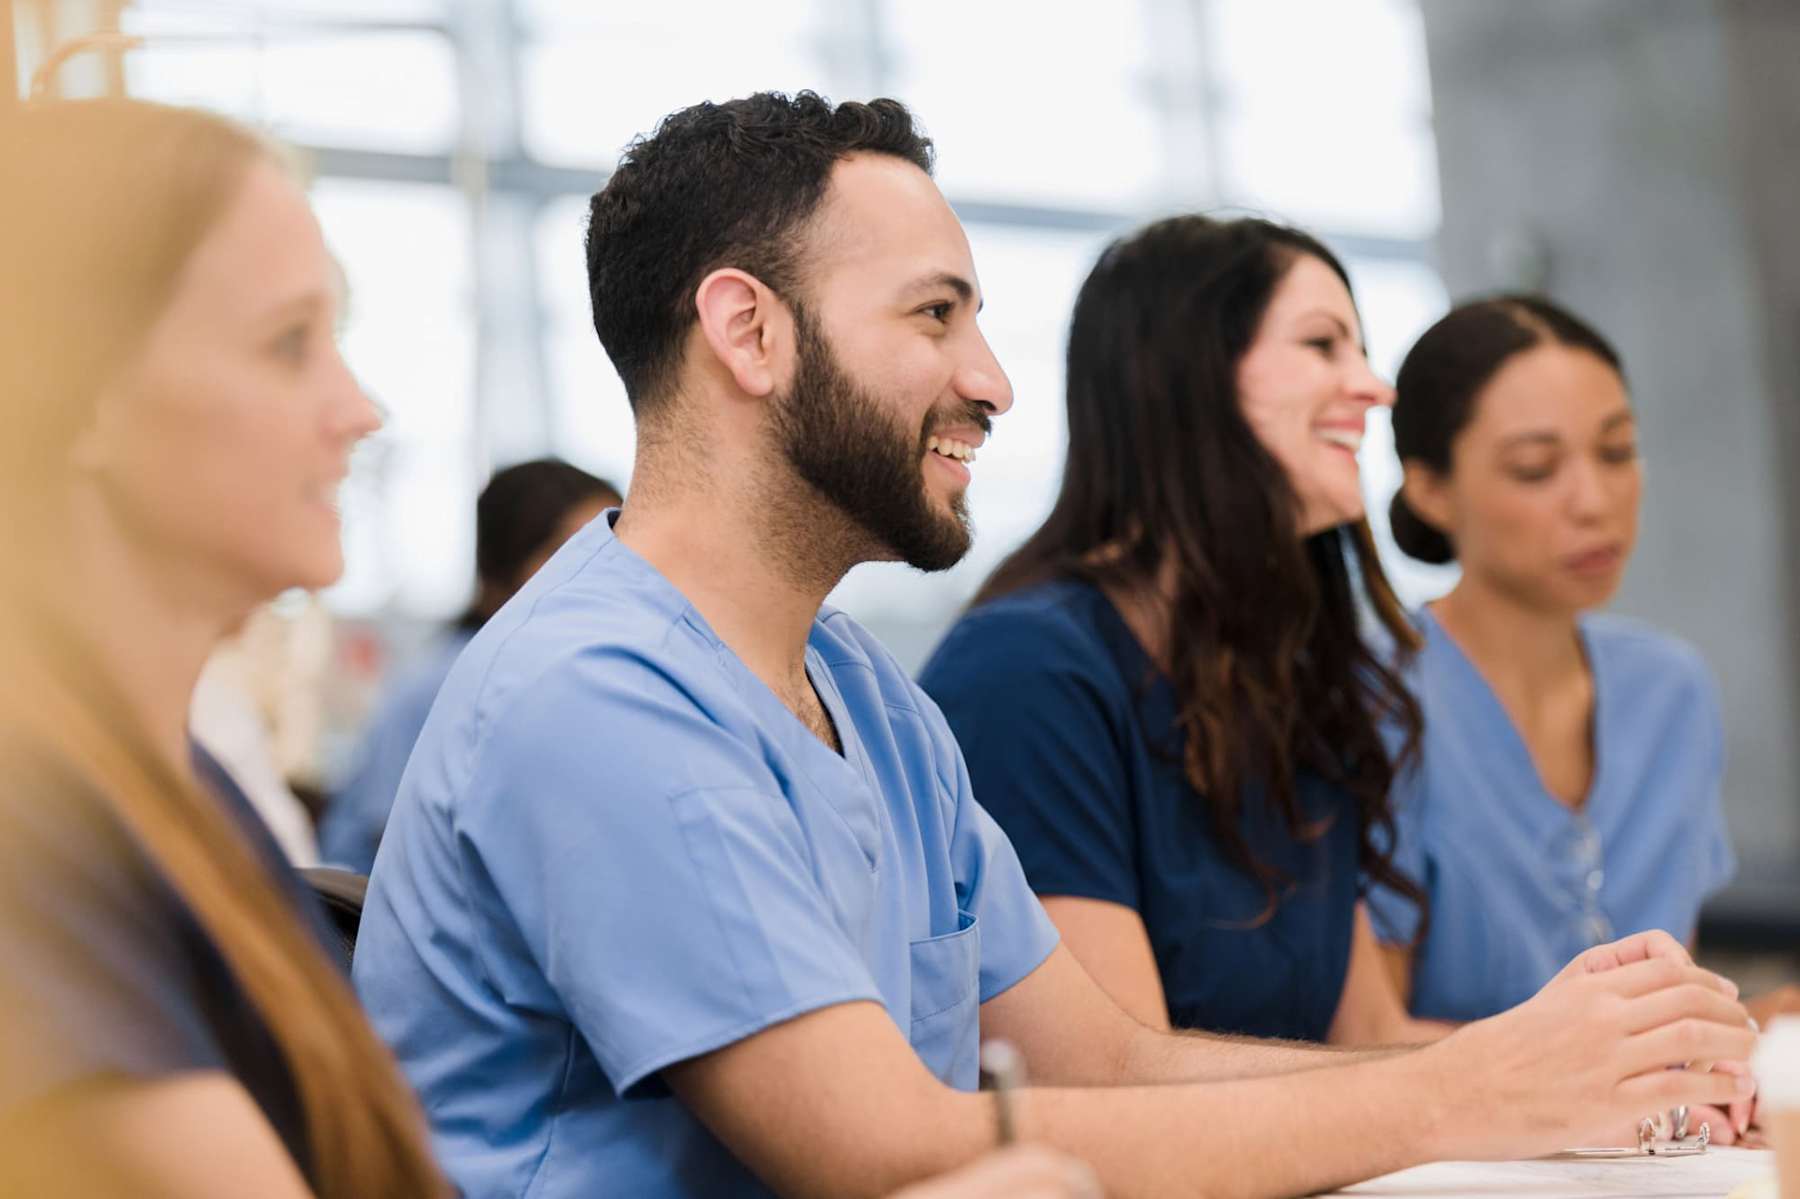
(1729, 1125)
(1591, 1053)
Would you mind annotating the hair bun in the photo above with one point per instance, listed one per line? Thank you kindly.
(1415, 538)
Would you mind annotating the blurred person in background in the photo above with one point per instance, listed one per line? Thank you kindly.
(256, 711)
(226, 720)
(1568, 785)
(523, 515)
(1165, 696)
(178, 418)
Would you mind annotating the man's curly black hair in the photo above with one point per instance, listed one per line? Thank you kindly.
(718, 185)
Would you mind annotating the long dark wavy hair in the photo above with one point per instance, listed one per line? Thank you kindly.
(1165, 480)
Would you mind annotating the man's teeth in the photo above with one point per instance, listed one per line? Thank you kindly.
(949, 447)
(1350, 441)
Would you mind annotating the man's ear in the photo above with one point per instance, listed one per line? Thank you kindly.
(746, 329)
(1428, 494)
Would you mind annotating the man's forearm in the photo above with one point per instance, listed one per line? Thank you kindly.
(1253, 1138)
(1161, 1057)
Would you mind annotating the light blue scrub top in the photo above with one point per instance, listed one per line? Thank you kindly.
(1519, 883)
(358, 811)
(614, 849)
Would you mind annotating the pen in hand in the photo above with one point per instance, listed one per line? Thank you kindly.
(1003, 1072)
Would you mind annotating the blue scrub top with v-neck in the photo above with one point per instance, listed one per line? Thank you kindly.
(1519, 881)
(615, 849)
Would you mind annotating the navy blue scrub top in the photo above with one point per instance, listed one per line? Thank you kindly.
(1070, 737)
(104, 970)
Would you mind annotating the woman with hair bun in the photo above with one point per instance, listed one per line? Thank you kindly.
(1567, 789)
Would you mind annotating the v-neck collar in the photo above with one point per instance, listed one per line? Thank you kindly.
(824, 685)
(1517, 747)
(812, 755)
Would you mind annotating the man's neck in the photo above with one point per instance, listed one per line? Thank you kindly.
(736, 565)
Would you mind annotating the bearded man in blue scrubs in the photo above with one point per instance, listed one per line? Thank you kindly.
(685, 892)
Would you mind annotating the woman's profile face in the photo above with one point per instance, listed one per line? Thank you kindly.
(1542, 496)
(1306, 389)
(220, 447)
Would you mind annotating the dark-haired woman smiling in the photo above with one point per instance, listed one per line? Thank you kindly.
(1164, 696)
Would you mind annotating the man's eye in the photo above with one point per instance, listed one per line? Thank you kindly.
(1325, 345)
(939, 311)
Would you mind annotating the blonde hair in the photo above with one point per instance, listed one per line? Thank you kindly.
(101, 204)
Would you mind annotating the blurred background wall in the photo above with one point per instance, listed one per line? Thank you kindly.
(1638, 159)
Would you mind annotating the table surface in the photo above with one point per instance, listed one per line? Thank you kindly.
(1715, 1173)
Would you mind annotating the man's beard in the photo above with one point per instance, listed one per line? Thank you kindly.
(842, 441)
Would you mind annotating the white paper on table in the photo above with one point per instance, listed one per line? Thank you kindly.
(1714, 1173)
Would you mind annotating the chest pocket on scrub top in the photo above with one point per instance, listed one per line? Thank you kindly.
(946, 998)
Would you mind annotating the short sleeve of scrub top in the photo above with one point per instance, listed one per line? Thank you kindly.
(616, 850)
(1072, 743)
(1519, 882)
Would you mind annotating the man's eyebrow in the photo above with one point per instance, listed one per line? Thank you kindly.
(1622, 417)
(965, 291)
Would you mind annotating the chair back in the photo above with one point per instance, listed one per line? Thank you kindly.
(341, 894)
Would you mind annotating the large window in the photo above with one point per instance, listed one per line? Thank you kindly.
(454, 143)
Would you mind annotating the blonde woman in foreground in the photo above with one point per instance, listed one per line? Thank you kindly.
(178, 419)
